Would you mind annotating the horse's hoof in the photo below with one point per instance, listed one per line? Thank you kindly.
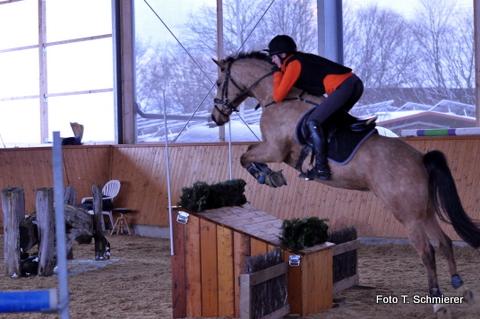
(275, 179)
(468, 296)
(457, 281)
(442, 311)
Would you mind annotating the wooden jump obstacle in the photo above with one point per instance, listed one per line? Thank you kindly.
(211, 248)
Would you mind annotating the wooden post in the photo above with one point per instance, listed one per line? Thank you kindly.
(245, 297)
(70, 196)
(101, 242)
(98, 224)
(13, 206)
(179, 287)
(46, 229)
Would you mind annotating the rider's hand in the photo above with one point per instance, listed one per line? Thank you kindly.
(276, 60)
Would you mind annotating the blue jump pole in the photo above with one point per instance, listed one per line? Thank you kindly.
(28, 301)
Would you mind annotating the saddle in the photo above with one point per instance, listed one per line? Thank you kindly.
(345, 134)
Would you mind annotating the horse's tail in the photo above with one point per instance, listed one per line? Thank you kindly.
(444, 196)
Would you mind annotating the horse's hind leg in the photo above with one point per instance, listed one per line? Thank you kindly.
(445, 244)
(435, 232)
(419, 240)
(254, 159)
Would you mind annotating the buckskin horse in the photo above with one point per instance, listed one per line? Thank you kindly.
(415, 187)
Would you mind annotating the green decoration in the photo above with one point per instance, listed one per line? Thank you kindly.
(299, 233)
(203, 196)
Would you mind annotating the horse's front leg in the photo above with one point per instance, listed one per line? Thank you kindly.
(254, 159)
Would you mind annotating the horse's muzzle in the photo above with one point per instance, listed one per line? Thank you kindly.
(213, 119)
(216, 122)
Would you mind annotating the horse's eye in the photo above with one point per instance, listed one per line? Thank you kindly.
(218, 83)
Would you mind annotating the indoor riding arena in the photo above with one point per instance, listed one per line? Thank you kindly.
(148, 169)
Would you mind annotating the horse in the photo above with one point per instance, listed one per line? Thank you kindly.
(417, 188)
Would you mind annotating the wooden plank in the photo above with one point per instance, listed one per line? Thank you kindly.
(241, 250)
(245, 297)
(226, 291)
(279, 313)
(325, 246)
(266, 274)
(344, 247)
(258, 247)
(317, 282)
(295, 297)
(271, 247)
(345, 283)
(13, 206)
(178, 272)
(192, 267)
(208, 253)
(46, 230)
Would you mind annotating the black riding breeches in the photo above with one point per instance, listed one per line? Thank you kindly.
(343, 98)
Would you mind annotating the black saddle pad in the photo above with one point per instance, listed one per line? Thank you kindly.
(342, 142)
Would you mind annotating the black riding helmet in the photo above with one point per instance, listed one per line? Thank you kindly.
(281, 44)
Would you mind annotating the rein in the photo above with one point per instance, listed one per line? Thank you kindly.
(224, 101)
(298, 98)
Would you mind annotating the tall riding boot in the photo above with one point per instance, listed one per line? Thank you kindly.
(321, 169)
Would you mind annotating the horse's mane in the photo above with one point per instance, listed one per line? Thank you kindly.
(259, 55)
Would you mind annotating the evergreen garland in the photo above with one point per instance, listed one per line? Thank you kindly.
(299, 233)
(202, 196)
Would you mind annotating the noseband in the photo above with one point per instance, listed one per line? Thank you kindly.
(224, 101)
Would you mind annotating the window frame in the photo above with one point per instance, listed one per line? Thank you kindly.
(42, 45)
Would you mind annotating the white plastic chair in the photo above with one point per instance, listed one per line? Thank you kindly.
(109, 191)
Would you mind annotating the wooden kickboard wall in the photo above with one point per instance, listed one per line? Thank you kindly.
(141, 168)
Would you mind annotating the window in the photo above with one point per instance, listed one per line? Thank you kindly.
(179, 75)
(416, 60)
(56, 69)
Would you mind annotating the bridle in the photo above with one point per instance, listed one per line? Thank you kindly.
(224, 101)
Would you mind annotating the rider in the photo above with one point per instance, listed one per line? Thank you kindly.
(315, 75)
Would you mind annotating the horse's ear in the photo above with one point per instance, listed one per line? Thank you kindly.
(219, 63)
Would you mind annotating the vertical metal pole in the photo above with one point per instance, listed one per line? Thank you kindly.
(220, 52)
(42, 66)
(117, 74)
(167, 170)
(321, 27)
(230, 174)
(124, 43)
(330, 29)
(220, 55)
(57, 161)
(476, 32)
